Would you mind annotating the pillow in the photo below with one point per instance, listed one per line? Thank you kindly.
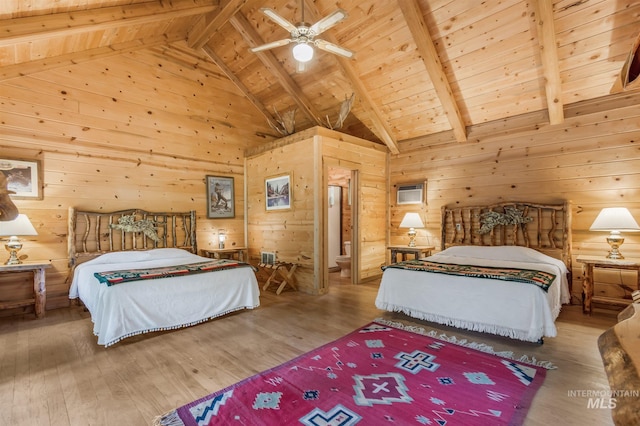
(509, 253)
(168, 253)
(121, 256)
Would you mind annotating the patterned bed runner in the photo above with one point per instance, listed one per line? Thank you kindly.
(529, 276)
(117, 277)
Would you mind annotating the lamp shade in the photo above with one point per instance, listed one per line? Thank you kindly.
(615, 219)
(21, 225)
(411, 220)
(302, 52)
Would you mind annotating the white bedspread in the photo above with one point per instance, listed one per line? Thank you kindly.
(136, 307)
(517, 310)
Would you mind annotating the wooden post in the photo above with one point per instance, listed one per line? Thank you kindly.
(39, 291)
(587, 288)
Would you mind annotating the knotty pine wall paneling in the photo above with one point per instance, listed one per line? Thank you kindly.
(289, 233)
(592, 159)
(370, 162)
(297, 235)
(137, 130)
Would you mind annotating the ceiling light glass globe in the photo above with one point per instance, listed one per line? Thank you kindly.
(302, 52)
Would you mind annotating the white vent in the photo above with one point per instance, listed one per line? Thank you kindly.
(267, 257)
(410, 194)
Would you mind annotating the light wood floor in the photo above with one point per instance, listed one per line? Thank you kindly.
(53, 373)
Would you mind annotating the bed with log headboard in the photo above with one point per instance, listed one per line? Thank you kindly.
(138, 271)
(502, 269)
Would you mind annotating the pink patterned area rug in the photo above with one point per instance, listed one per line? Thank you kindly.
(382, 373)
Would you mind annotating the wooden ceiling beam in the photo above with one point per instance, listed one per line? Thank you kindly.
(26, 68)
(210, 23)
(253, 39)
(382, 129)
(34, 28)
(415, 21)
(231, 76)
(549, 57)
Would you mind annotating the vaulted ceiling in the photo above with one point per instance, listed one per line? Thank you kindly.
(422, 67)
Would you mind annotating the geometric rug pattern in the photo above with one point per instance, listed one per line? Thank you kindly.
(378, 374)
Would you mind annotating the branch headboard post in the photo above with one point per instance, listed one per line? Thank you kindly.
(91, 234)
(542, 227)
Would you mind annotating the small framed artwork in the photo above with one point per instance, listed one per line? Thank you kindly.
(278, 192)
(24, 178)
(220, 197)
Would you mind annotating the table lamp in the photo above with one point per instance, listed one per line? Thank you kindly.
(221, 238)
(20, 226)
(412, 221)
(615, 219)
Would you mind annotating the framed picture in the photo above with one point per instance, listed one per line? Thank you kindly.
(24, 177)
(278, 192)
(220, 197)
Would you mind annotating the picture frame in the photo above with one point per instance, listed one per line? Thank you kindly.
(24, 178)
(277, 190)
(220, 197)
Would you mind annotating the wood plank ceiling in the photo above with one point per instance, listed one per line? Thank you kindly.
(422, 67)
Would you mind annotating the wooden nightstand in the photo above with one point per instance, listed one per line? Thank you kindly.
(229, 253)
(39, 286)
(591, 262)
(403, 251)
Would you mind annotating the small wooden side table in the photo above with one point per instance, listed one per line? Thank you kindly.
(403, 251)
(591, 262)
(227, 253)
(39, 286)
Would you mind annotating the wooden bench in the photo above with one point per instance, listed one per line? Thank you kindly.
(281, 273)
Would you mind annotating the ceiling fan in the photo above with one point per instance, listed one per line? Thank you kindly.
(303, 35)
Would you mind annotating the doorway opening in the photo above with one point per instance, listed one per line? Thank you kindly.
(340, 238)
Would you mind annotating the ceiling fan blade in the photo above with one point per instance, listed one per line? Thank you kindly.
(301, 66)
(328, 21)
(271, 45)
(334, 48)
(275, 17)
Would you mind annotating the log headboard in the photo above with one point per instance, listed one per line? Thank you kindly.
(543, 227)
(94, 233)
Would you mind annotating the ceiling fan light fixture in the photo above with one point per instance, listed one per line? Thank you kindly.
(302, 52)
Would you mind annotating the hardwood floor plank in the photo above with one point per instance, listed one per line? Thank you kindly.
(20, 407)
(53, 372)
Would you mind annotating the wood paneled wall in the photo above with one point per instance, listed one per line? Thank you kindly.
(297, 234)
(370, 161)
(592, 159)
(137, 130)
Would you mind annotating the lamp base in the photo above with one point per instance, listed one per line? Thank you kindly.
(13, 259)
(412, 237)
(615, 241)
(13, 245)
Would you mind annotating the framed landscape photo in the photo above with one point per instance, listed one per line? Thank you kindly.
(278, 192)
(220, 197)
(24, 178)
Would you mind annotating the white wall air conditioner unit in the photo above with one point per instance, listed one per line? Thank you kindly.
(410, 194)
